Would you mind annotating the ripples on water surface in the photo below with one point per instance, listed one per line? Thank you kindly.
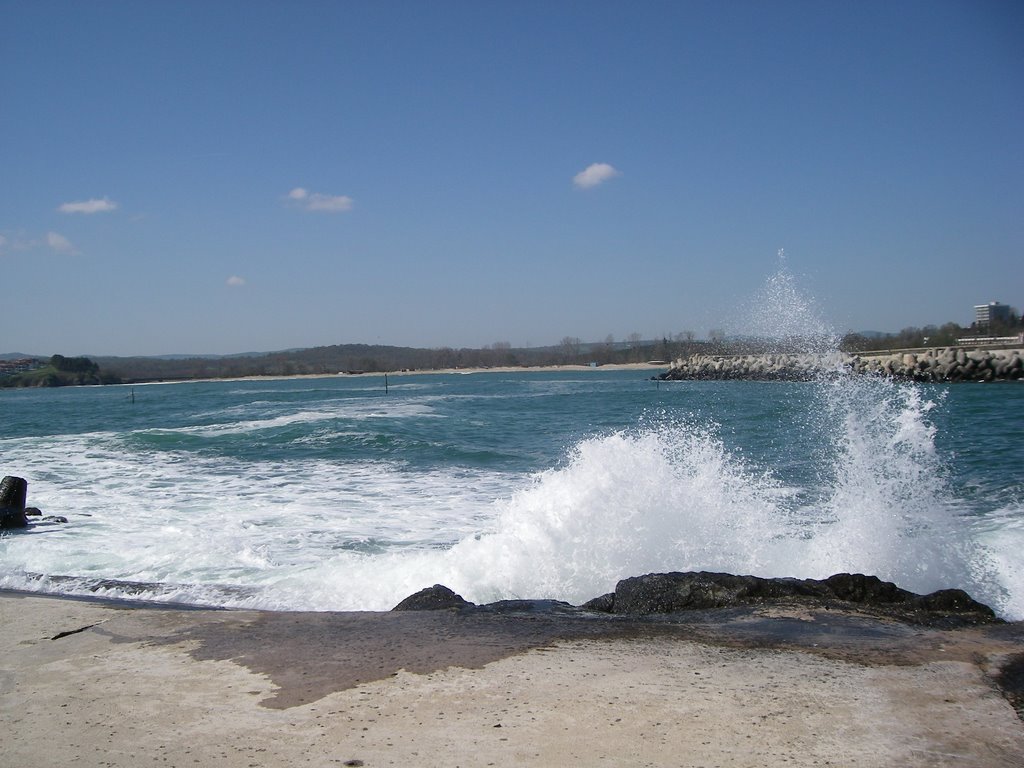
(327, 494)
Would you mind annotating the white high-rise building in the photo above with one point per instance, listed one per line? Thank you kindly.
(986, 314)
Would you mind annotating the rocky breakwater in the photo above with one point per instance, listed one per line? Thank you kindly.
(765, 367)
(925, 365)
(945, 364)
(659, 594)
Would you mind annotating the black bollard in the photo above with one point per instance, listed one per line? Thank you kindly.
(13, 491)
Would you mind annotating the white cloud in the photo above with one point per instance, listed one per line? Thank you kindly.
(235, 281)
(594, 174)
(316, 201)
(59, 243)
(95, 205)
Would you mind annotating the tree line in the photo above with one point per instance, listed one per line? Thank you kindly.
(366, 358)
(60, 371)
(945, 335)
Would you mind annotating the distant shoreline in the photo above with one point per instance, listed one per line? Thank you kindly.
(650, 367)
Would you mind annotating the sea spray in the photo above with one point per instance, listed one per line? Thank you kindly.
(674, 498)
(996, 566)
(887, 507)
(782, 317)
(671, 498)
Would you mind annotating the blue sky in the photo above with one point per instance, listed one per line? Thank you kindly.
(218, 177)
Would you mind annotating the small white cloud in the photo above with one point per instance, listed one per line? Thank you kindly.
(235, 281)
(316, 201)
(95, 205)
(59, 243)
(594, 174)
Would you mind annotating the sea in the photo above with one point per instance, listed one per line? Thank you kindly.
(352, 492)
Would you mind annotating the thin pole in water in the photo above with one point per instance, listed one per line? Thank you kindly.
(133, 395)
(385, 383)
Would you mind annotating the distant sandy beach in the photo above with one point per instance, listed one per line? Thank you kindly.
(540, 368)
(96, 683)
(653, 368)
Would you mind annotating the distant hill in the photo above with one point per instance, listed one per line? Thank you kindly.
(369, 358)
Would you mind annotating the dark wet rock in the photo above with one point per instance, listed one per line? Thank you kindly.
(674, 592)
(13, 491)
(602, 604)
(53, 519)
(666, 593)
(33, 512)
(1010, 680)
(435, 598)
(545, 607)
(951, 601)
(661, 594)
(858, 588)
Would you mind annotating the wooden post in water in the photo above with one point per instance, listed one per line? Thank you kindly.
(385, 382)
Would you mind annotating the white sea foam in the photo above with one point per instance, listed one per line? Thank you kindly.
(353, 411)
(673, 498)
(624, 504)
(194, 526)
(676, 499)
(997, 565)
(316, 535)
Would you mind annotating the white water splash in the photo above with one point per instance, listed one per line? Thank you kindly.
(784, 318)
(674, 498)
(668, 497)
(664, 499)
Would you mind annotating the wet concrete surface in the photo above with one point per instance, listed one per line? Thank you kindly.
(520, 683)
(311, 655)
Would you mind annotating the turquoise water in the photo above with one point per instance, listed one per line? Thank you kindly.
(330, 494)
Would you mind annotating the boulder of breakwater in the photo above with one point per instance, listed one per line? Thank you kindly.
(435, 598)
(948, 364)
(768, 367)
(945, 364)
(665, 593)
(13, 492)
